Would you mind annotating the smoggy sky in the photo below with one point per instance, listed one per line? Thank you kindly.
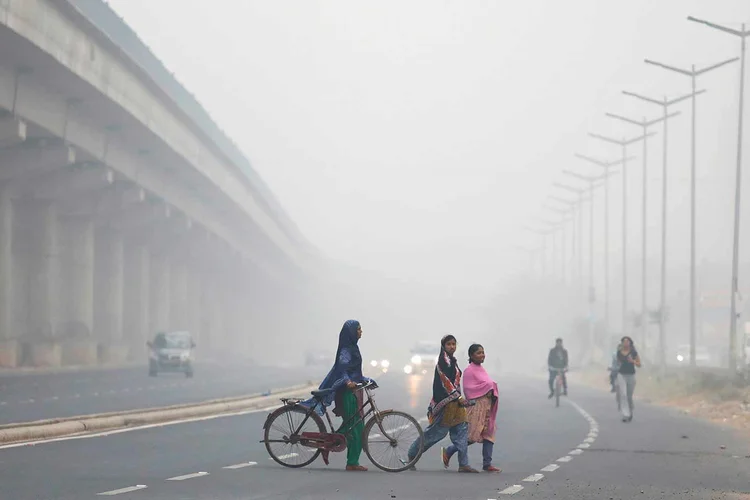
(417, 138)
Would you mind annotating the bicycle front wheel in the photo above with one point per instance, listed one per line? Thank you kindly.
(387, 440)
(557, 392)
(283, 441)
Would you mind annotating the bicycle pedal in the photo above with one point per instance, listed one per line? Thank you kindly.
(324, 454)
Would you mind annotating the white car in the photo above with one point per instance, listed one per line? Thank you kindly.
(702, 355)
(423, 358)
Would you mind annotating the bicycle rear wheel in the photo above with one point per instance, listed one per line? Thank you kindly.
(558, 384)
(283, 445)
(387, 442)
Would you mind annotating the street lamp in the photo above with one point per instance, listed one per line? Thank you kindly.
(606, 165)
(665, 104)
(593, 182)
(742, 34)
(693, 74)
(624, 143)
(561, 224)
(645, 124)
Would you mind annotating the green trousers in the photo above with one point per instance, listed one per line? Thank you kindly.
(353, 432)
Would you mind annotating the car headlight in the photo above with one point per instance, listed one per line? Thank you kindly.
(680, 358)
(416, 359)
(407, 369)
(373, 363)
(385, 363)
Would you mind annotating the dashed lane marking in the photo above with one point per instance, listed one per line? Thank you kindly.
(550, 468)
(583, 446)
(284, 457)
(241, 466)
(575, 452)
(511, 490)
(129, 489)
(565, 459)
(188, 476)
(534, 478)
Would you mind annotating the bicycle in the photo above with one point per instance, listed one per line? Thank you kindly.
(558, 386)
(302, 445)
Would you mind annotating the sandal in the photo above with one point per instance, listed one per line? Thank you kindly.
(491, 468)
(446, 458)
(356, 468)
(468, 469)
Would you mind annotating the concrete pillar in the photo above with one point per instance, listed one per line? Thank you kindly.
(159, 316)
(194, 304)
(43, 285)
(77, 291)
(178, 292)
(212, 327)
(108, 293)
(137, 287)
(9, 347)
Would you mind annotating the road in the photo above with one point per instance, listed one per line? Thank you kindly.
(661, 454)
(26, 397)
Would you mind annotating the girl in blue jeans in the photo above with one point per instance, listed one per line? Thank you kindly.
(447, 412)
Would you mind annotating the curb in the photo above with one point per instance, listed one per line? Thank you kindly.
(53, 428)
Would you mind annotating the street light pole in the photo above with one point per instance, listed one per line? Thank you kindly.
(644, 124)
(665, 104)
(742, 34)
(593, 182)
(606, 165)
(578, 231)
(624, 143)
(693, 74)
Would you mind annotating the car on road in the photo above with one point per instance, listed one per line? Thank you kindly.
(171, 352)
(422, 358)
(703, 355)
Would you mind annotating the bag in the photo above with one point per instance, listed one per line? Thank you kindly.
(453, 414)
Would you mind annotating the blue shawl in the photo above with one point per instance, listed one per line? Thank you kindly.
(348, 364)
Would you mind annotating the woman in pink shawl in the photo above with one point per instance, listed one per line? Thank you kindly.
(481, 392)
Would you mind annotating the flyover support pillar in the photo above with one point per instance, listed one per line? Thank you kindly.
(9, 348)
(108, 292)
(159, 294)
(77, 291)
(137, 286)
(43, 273)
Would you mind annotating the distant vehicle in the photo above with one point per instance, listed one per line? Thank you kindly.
(318, 358)
(171, 352)
(703, 356)
(423, 358)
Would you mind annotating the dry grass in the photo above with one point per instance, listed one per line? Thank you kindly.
(710, 398)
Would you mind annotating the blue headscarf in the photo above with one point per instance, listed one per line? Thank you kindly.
(348, 364)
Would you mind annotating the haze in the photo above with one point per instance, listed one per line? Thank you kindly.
(415, 140)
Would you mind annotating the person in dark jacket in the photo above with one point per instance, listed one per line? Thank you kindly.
(557, 360)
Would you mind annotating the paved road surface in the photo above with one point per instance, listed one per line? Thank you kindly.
(661, 454)
(26, 397)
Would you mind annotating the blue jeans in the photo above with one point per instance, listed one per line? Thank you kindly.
(436, 432)
(487, 447)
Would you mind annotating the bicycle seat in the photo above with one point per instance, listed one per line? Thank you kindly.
(322, 393)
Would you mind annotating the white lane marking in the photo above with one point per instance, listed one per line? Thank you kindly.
(534, 478)
(588, 440)
(284, 457)
(566, 458)
(575, 452)
(512, 490)
(583, 446)
(188, 476)
(123, 490)
(550, 468)
(240, 466)
(131, 429)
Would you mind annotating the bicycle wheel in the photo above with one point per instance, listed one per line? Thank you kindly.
(284, 446)
(558, 383)
(391, 455)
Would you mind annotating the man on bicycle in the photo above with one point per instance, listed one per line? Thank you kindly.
(556, 361)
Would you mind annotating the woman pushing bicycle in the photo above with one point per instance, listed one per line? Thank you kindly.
(343, 378)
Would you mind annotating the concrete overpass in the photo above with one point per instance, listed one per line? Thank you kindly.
(124, 210)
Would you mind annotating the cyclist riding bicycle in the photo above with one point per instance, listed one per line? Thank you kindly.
(556, 361)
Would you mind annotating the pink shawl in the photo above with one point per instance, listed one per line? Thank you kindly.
(477, 383)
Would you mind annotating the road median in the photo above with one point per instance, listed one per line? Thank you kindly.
(70, 426)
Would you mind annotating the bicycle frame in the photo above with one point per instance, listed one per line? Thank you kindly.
(370, 404)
